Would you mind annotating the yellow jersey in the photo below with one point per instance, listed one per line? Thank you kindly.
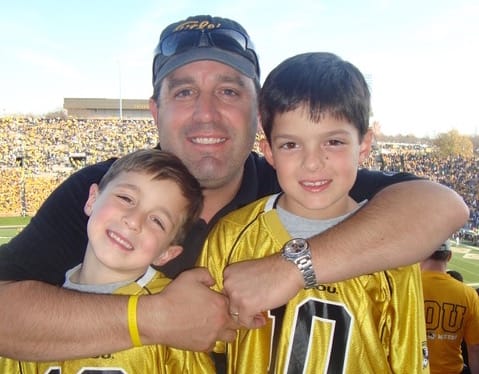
(149, 359)
(369, 324)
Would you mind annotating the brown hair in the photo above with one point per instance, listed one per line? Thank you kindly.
(162, 165)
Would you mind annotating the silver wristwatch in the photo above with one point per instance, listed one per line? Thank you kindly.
(297, 251)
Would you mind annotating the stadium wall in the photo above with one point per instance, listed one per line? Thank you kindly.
(106, 108)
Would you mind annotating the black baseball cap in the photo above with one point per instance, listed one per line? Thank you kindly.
(205, 37)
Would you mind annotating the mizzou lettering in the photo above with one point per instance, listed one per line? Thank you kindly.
(446, 316)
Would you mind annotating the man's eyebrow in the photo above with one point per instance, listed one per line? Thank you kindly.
(222, 78)
(238, 79)
(175, 82)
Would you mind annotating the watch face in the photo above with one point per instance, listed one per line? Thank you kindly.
(297, 246)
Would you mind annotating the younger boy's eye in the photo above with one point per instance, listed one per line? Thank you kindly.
(125, 198)
(158, 222)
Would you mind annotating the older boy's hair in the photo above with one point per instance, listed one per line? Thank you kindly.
(321, 82)
(162, 165)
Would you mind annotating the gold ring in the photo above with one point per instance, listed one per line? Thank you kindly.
(236, 314)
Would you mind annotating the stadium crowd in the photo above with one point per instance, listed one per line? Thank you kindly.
(39, 153)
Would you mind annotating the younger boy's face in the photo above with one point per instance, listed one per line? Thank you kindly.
(133, 221)
(316, 162)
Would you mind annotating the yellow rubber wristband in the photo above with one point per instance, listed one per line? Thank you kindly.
(132, 323)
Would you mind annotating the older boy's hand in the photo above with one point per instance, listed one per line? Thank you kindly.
(258, 285)
(187, 314)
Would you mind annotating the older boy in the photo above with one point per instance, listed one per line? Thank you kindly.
(315, 115)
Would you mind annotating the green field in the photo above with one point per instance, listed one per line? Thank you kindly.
(465, 258)
(10, 226)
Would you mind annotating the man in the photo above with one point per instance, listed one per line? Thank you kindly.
(452, 314)
(206, 81)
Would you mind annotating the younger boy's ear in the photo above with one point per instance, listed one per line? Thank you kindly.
(92, 196)
(365, 146)
(168, 255)
(266, 151)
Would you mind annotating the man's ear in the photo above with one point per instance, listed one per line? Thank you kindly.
(365, 146)
(153, 110)
(266, 150)
(168, 255)
(92, 196)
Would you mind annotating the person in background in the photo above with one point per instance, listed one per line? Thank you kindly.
(456, 275)
(206, 78)
(315, 111)
(138, 216)
(451, 309)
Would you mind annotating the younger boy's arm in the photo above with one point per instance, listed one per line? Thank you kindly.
(400, 225)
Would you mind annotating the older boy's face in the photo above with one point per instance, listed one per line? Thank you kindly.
(207, 115)
(316, 162)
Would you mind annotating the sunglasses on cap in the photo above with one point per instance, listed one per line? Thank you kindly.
(227, 39)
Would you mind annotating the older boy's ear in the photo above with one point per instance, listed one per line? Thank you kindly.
(365, 146)
(92, 196)
(266, 151)
(168, 255)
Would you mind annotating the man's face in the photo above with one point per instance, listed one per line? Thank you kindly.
(207, 115)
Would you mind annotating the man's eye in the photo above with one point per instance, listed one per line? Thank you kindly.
(184, 93)
(335, 142)
(230, 92)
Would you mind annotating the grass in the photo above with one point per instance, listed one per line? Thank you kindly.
(465, 260)
(11, 226)
(14, 221)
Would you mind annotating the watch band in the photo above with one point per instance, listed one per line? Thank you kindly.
(297, 250)
(305, 266)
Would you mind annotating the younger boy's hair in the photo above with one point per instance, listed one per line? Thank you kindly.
(162, 165)
(319, 82)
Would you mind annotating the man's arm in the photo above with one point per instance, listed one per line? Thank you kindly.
(43, 322)
(473, 355)
(400, 225)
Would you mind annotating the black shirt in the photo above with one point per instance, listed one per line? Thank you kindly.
(56, 238)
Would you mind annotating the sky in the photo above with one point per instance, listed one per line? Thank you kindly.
(421, 58)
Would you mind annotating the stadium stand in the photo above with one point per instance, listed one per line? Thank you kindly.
(39, 153)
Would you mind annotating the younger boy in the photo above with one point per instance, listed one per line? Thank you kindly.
(315, 116)
(138, 215)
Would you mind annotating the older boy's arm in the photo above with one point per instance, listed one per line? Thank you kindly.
(42, 322)
(401, 225)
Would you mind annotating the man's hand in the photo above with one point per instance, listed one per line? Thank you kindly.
(258, 285)
(187, 314)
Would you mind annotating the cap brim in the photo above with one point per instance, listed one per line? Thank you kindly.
(236, 61)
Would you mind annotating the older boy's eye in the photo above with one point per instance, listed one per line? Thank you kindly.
(335, 142)
(288, 145)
